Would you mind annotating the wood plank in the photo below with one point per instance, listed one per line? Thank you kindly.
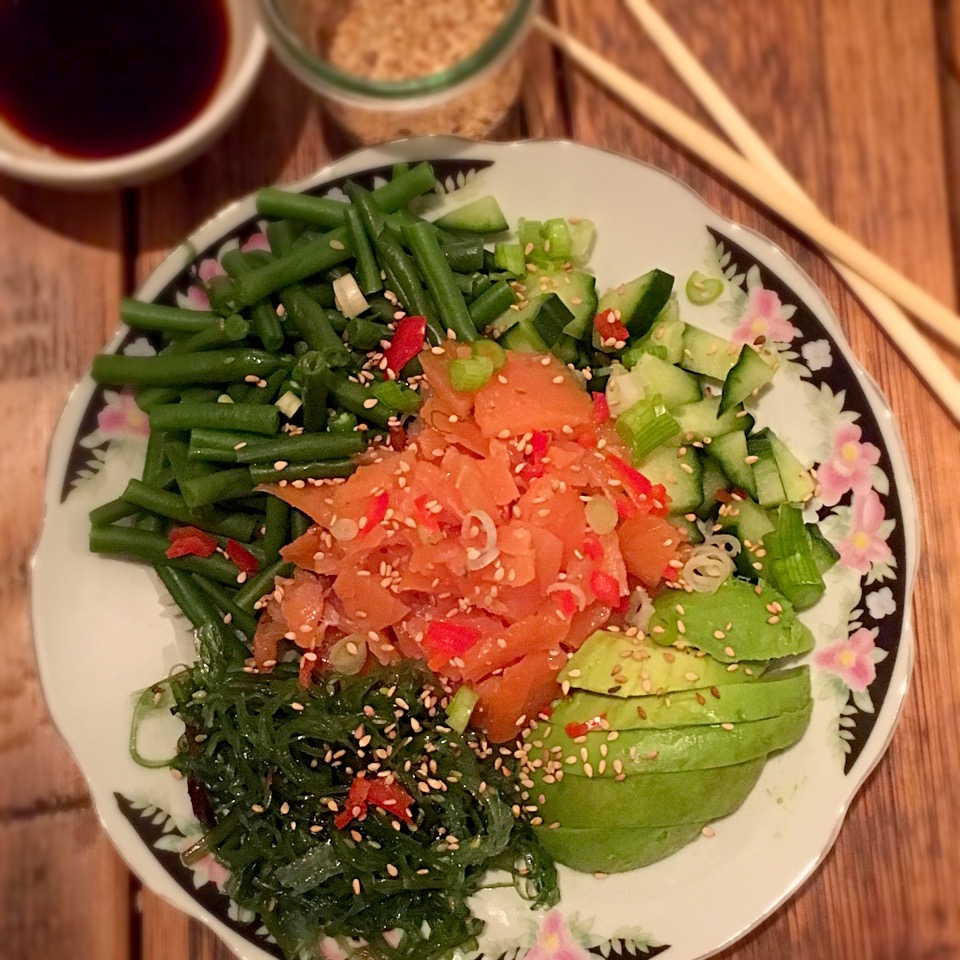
(846, 110)
(65, 892)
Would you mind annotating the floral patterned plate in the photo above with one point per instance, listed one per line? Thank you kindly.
(105, 630)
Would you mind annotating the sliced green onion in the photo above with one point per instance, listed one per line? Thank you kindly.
(349, 654)
(492, 351)
(288, 404)
(470, 373)
(557, 242)
(461, 707)
(395, 394)
(583, 235)
(348, 296)
(702, 290)
(601, 515)
(509, 256)
(646, 426)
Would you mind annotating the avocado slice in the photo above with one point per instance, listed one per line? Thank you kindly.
(740, 621)
(606, 754)
(651, 800)
(592, 849)
(772, 694)
(622, 666)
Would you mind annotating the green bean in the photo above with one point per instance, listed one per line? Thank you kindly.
(222, 485)
(199, 610)
(152, 547)
(155, 456)
(237, 392)
(302, 448)
(220, 446)
(365, 335)
(300, 523)
(264, 321)
(408, 288)
(111, 512)
(199, 395)
(314, 257)
(151, 396)
(213, 366)
(399, 169)
(272, 202)
(226, 331)
(154, 316)
(264, 395)
(247, 418)
(184, 468)
(237, 526)
(343, 422)
(357, 399)
(312, 370)
(371, 216)
(314, 326)
(400, 191)
(222, 292)
(282, 235)
(422, 240)
(322, 293)
(490, 304)
(239, 618)
(263, 473)
(382, 310)
(259, 584)
(276, 529)
(367, 271)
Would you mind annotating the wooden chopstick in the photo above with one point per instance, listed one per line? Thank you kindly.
(911, 342)
(712, 150)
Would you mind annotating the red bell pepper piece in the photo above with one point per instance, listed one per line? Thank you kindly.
(376, 513)
(363, 792)
(574, 730)
(190, 542)
(243, 559)
(592, 547)
(601, 409)
(408, 340)
(632, 477)
(567, 602)
(539, 444)
(605, 587)
(609, 327)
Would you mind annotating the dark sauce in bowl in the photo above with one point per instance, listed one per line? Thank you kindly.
(100, 78)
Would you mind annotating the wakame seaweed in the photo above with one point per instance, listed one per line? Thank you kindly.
(274, 764)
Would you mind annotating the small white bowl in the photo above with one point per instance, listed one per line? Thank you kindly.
(25, 160)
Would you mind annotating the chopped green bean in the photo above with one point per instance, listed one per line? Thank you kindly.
(315, 470)
(314, 326)
(220, 446)
(184, 468)
(264, 321)
(422, 239)
(239, 618)
(365, 335)
(259, 584)
(276, 528)
(401, 190)
(312, 370)
(155, 456)
(282, 235)
(367, 272)
(406, 283)
(221, 485)
(371, 216)
(312, 258)
(464, 254)
(247, 418)
(213, 366)
(302, 448)
(154, 316)
(111, 512)
(300, 523)
(152, 547)
(490, 304)
(322, 211)
(359, 400)
(223, 333)
(237, 526)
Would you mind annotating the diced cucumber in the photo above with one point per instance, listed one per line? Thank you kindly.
(676, 386)
(825, 554)
(797, 480)
(576, 289)
(706, 353)
(690, 527)
(770, 492)
(583, 235)
(639, 301)
(730, 451)
(480, 216)
(523, 338)
(748, 376)
(750, 523)
(702, 420)
(551, 319)
(713, 481)
(664, 339)
(680, 473)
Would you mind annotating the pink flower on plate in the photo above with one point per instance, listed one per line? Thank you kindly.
(121, 417)
(555, 942)
(848, 466)
(210, 268)
(195, 298)
(208, 869)
(258, 241)
(864, 545)
(763, 317)
(851, 659)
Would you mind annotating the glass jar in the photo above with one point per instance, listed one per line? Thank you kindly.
(409, 67)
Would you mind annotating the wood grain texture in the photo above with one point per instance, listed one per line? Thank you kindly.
(845, 129)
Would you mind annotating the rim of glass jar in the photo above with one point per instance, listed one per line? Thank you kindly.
(498, 44)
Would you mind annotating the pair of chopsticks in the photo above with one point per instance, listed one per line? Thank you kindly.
(758, 171)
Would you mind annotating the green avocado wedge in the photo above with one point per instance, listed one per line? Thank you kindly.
(733, 624)
(617, 665)
(651, 800)
(771, 695)
(606, 754)
(593, 849)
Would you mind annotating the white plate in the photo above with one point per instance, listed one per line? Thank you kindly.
(103, 629)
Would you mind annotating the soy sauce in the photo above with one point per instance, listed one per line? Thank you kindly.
(99, 78)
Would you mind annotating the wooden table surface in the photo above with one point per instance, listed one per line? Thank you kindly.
(861, 99)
